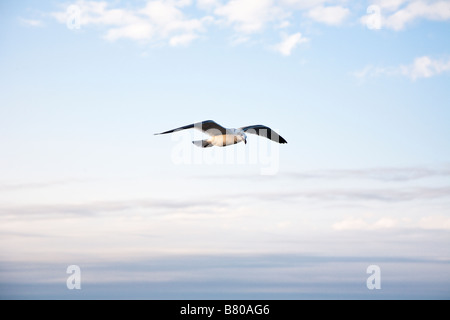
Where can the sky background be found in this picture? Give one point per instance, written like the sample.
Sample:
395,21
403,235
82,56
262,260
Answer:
359,89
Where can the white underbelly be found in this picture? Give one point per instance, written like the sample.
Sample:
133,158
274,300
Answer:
224,140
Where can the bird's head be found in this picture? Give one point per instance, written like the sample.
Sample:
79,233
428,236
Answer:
244,137
239,136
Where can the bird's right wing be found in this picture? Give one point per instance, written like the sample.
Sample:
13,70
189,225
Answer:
209,126
264,131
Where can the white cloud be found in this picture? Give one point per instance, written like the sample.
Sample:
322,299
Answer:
385,174
169,20
284,24
289,42
239,39
165,16
425,67
159,20
181,3
371,71
385,223
207,4
135,31
249,16
173,22
397,14
361,224
303,4
422,67
351,224
332,15
182,40
389,4
438,11
434,222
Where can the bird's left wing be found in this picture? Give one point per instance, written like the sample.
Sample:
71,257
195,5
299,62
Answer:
207,126
264,131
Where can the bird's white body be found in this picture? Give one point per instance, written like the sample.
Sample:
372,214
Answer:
227,139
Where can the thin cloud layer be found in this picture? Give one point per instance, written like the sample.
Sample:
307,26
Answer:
289,43
216,202
249,16
383,174
157,21
382,195
425,67
332,15
432,222
31,22
422,68
168,21
179,23
398,14
90,209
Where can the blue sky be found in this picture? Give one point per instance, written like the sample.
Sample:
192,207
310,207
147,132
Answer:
361,98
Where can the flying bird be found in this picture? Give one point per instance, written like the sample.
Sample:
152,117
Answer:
222,137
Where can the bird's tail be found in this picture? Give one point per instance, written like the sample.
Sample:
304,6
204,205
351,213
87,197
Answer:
202,143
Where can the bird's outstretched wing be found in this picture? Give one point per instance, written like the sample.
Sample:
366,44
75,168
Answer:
264,131
209,126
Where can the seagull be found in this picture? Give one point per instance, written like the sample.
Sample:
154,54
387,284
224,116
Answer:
221,137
